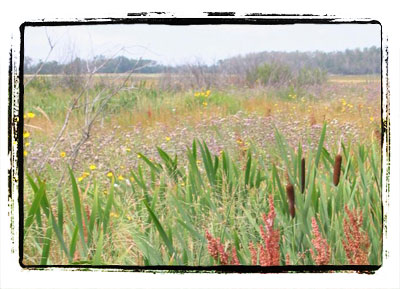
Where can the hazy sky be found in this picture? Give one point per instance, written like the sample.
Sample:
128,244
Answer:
186,44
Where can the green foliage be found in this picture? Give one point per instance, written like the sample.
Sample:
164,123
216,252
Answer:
281,75
170,203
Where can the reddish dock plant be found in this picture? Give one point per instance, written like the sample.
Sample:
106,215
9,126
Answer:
217,251
320,244
357,243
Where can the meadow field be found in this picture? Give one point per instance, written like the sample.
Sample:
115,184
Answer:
229,175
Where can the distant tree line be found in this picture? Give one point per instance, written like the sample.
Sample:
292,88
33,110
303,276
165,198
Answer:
356,61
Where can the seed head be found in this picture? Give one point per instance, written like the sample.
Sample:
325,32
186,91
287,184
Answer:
336,170
290,195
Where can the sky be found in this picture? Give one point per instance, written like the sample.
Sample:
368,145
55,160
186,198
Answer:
174,45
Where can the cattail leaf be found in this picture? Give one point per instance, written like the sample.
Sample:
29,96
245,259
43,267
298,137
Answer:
78,209
99,250
160,229
320,145
74,239
46,245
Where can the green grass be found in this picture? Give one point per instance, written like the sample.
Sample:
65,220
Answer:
159,215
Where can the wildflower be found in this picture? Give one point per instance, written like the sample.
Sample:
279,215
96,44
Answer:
121,178
129,218
208,93
25,153
92,167
85,174
132,179
105,193
110,174
197,94
114,215
62,154
167,138
27,144
30,115
205,103
139,156
371,118
321,246
80,179
202,94
182,184
26,134
357,243
128,150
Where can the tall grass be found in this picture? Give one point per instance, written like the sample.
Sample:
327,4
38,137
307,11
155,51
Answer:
162,213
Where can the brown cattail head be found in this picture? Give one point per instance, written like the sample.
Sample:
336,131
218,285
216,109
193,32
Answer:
336,169
290,195
303,174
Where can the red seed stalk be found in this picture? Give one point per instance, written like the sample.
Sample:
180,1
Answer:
357,243
320,244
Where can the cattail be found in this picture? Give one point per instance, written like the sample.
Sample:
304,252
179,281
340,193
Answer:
336,170
303,175
290,194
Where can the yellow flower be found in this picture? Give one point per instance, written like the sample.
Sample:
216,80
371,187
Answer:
92,167
371,118
208,92
25,153
128,149
85,174
110,174
205,104
114,215
62,154
129,218
182,184
197,94
121,178
30,115
139,156
122,167
167,138
80,179
202,94
26,134
105,192
27,144
132,179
